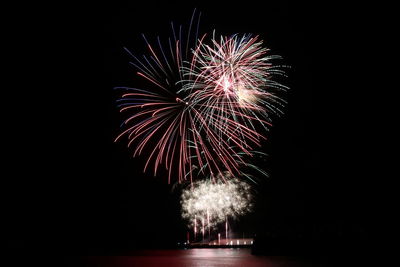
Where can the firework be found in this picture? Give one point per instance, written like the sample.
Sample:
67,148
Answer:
201,105
231,82
213,201
157,117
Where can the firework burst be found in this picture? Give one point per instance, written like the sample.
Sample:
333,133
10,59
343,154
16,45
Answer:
211,202
203,101
159,114
232,83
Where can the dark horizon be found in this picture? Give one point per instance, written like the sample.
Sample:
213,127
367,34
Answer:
74,189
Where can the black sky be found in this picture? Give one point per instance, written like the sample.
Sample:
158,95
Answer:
70,186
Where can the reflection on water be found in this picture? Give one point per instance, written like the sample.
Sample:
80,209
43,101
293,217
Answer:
202,257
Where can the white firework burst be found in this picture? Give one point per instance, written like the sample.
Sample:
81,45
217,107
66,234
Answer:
211,202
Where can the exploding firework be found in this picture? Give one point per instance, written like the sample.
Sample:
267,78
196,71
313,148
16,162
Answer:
231,82
210,203
199,109
157,117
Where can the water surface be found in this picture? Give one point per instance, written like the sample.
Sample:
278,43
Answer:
202,257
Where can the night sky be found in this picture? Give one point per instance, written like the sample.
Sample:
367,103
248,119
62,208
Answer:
71,187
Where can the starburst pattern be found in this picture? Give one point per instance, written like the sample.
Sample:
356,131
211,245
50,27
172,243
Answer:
212,202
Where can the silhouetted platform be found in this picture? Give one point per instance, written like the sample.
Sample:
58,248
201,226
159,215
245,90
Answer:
223,243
